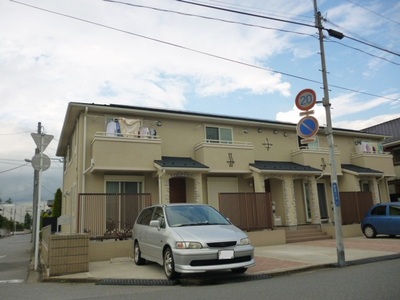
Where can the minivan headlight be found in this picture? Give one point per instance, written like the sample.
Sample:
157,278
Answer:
244,241
188,245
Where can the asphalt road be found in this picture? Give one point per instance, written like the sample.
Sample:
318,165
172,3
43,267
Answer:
15,256
378,280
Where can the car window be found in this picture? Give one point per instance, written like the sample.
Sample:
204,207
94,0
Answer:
379,211
159,215
394,210
190,215
145,216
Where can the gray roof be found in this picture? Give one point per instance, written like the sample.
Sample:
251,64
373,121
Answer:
360,170
390,128
283,166
179,162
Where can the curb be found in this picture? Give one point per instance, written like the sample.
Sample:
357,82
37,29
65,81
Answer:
213,280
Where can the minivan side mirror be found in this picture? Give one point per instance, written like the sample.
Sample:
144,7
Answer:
155,223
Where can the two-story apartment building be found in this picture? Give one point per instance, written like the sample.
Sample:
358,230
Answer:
175,156
391,145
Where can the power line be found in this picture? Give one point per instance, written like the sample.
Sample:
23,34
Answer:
374,12
242,23
252,9
197,51
13,133
244,13
14,168
208,18
282,20
370,54
373,46
360,39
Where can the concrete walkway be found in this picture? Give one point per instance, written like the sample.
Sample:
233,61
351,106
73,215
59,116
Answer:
270,260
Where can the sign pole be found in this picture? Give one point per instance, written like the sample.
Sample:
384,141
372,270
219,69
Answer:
40,162
39,195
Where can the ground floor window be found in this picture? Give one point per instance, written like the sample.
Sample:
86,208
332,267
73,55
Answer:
118,210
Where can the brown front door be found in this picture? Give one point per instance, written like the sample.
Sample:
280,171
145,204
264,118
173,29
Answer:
177,190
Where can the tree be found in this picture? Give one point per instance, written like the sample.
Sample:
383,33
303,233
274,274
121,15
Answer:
27,221
57,204
9,201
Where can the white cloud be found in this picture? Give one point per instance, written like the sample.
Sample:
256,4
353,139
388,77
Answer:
48,60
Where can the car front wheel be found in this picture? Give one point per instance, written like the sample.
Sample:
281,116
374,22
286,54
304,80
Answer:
137,255
369,231
169,264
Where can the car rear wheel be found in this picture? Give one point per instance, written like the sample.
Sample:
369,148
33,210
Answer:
369,231
169,264
137,255
239,270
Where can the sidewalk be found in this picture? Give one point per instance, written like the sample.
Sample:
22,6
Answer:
270,261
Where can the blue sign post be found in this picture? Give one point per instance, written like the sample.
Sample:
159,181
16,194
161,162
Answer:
336,196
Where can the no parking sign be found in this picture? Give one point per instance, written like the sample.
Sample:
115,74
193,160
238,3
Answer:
307,127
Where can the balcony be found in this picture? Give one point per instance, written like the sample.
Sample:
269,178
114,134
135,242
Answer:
124,153
382,162
222,156
317,158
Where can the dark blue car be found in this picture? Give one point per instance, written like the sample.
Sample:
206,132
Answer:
382,218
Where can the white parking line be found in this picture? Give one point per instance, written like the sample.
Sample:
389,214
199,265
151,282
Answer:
12,281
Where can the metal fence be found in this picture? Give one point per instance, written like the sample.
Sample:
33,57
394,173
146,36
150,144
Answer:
109,216
248,211
354,206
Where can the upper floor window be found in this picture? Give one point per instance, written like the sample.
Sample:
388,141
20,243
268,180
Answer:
219,134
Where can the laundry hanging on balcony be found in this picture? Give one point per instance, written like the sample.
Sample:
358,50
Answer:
113,128
130,127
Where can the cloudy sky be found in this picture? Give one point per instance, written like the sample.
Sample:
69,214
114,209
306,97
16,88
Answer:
178,55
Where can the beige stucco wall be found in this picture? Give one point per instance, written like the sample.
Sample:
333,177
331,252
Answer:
179,136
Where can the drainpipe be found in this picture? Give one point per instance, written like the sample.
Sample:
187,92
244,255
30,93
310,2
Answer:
83,188
160,186
379,179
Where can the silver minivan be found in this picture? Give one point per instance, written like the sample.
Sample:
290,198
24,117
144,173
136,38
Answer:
190,238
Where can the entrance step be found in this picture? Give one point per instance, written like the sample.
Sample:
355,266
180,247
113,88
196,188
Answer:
305,233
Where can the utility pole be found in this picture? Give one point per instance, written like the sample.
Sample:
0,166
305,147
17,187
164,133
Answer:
329,134
40,162
35,193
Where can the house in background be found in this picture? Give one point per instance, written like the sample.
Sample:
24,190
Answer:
392,145
118,159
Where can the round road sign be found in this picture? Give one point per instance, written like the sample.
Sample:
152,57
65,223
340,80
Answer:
45,162
306,99
307,127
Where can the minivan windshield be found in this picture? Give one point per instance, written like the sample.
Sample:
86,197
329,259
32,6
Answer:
194,215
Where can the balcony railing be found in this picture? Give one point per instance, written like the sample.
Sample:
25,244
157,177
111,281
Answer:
317,158
380,161
223,156
124,152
